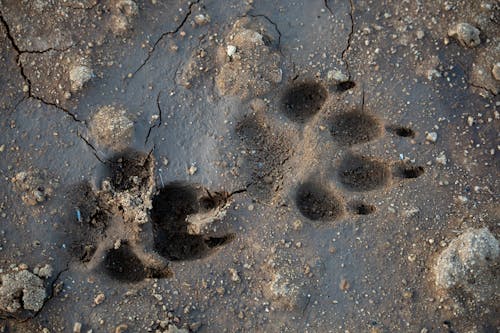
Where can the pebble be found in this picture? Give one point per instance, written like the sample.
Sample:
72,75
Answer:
251,207
231,50
466,34
297,225
431,137
121,328
420,34
201,19
99,299
77,327
470,121
495,71
441,159
235,277
192,170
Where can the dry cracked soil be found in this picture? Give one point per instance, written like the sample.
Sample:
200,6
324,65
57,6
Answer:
249,166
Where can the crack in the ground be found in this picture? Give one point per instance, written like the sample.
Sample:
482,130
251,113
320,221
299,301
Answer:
275,27
18,51
94,150
52,287
483,88
469,81
158,122
163,35
349,39
327,6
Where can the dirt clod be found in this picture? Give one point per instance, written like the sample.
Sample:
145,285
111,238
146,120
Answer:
111,128
21,294
466,34
248,66
467,270
78,76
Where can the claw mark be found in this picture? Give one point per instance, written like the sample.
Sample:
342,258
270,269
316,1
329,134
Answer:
349,39
163,35
23,73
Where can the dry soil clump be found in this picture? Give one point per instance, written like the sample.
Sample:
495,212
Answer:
249,66
467,270
21,294
111,128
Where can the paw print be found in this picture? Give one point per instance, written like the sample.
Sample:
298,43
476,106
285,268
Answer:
130,230
289,163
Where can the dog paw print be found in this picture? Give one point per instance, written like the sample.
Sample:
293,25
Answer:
282,156
131,230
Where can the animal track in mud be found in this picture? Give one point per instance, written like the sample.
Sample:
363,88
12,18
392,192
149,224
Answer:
303,100
355,127
402,131
110,231
410,171
179,211
123,264
265,156
360,173
318,203
361,208
268,151
128,169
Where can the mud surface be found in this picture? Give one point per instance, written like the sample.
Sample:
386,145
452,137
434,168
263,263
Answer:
249,166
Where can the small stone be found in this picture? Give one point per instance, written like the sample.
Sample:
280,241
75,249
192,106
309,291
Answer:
251,207
337,76
26,88
201,19
121,328
462,199
2,148
431,137
441,159
466,34
495,71
231,50
420,34
77,327
99,299
235,277
412,257
192,170
297,225
344,285
407,294
470,121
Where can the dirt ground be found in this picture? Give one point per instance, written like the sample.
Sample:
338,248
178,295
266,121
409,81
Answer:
249,166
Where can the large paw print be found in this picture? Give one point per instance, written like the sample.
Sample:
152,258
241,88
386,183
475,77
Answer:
130,230
278,162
